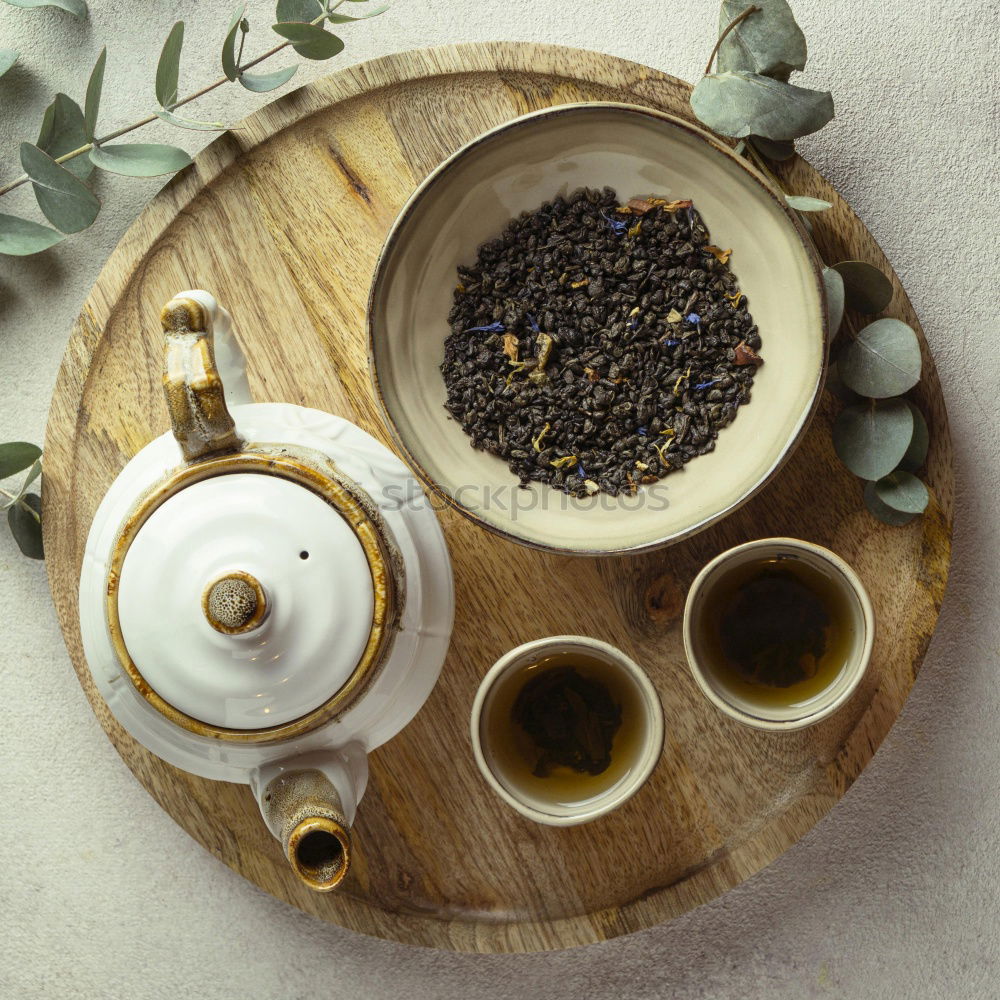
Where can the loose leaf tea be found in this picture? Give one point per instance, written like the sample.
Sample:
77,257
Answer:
571,719
598,346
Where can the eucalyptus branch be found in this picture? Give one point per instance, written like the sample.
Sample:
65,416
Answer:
81,150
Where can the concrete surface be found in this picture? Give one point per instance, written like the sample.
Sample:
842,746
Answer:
893,895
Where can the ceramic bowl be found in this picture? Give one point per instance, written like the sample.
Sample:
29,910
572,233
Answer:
514,168
645,751
736,704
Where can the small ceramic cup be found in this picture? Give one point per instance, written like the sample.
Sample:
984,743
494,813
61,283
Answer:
643,746
743,707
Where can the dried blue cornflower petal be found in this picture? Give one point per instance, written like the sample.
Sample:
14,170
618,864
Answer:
693,318
705,385
496,327
581,471
670,343
617,225
642,431
532,322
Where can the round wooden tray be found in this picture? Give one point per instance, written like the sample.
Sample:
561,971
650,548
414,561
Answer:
283,220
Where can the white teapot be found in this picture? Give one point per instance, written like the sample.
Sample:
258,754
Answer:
265,596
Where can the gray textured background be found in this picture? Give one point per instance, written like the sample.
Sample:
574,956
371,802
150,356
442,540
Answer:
892,895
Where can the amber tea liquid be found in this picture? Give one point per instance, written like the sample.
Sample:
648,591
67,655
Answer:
778,631
515,756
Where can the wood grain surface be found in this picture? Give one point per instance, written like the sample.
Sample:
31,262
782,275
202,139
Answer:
283,221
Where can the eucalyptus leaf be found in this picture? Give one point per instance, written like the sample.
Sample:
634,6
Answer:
191,123
229,66
870,438
298,10
346,18
310,40
780,149
92,103
21,237
903,492
883,512
63,131
262,82
7,59
26,525
884,359
836,387
768,41
16,456
169,67
140,159
739,104
834,285
63,198
33,473
916,454
75,7
866,288
803,204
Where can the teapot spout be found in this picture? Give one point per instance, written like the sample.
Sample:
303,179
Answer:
308,804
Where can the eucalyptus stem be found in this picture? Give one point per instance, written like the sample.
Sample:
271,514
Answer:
15,500
752,9
23,179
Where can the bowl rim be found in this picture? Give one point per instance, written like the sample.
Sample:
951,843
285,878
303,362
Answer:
381,271
863,659
648,758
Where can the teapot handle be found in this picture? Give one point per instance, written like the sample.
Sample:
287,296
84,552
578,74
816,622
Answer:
196,399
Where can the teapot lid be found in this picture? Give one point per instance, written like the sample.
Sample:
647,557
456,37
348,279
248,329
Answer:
246,601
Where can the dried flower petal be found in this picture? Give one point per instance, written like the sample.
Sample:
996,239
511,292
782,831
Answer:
746,355
640,206
564,463
510,346
537,440
674,316
720,255
580,284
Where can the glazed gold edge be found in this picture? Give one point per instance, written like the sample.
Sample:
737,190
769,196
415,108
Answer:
558,110
379,552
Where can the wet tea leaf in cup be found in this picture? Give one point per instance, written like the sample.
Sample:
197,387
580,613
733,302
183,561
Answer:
870,438
883,361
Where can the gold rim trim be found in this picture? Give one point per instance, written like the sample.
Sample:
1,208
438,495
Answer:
366,531
327,873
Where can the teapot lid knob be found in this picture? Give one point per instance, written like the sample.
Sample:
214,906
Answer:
234,603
